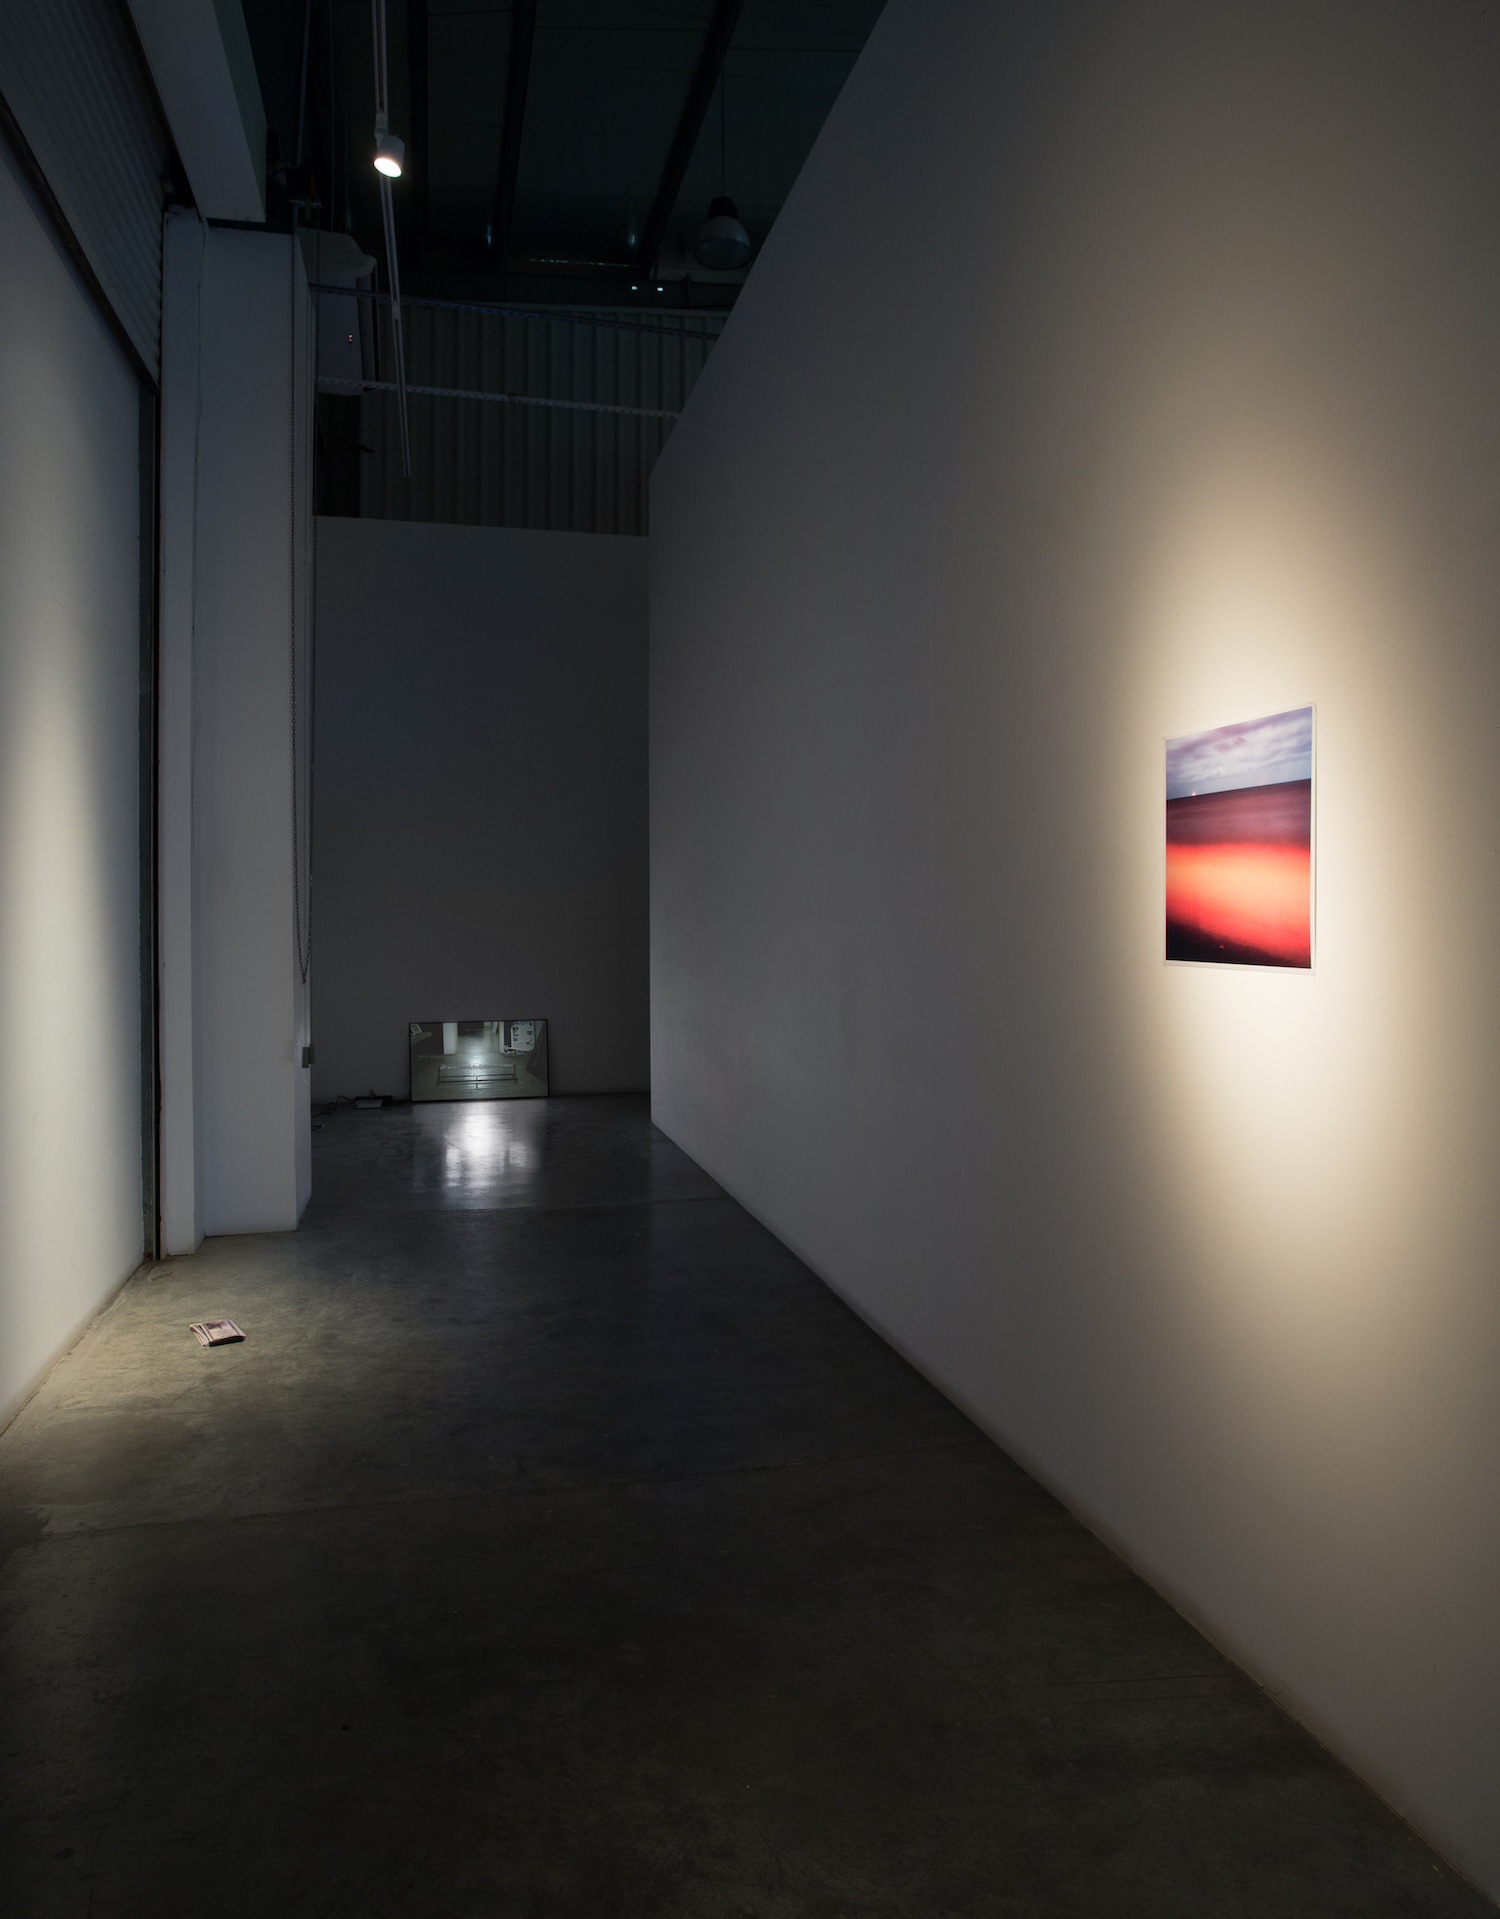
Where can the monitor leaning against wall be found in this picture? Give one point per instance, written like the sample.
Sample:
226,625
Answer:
478,1059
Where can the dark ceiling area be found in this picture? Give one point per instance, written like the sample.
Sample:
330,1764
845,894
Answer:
557,150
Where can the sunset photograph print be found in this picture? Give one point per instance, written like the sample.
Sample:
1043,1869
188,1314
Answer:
1239,843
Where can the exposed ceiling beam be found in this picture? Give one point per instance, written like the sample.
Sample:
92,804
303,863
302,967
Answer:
517,80
204,69
694,110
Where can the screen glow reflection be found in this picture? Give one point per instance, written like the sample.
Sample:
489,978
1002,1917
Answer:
471,1153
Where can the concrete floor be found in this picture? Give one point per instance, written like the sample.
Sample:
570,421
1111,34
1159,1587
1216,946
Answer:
556,1547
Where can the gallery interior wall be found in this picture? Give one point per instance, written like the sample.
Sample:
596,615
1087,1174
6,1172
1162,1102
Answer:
179,969
70,1075
251,487
481,796
1182,410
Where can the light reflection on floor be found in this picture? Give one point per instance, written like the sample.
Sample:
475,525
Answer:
468,1150
478,1156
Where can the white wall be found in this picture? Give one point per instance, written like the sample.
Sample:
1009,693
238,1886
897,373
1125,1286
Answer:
252,1008
481,795
178,943
70,1088
1180,409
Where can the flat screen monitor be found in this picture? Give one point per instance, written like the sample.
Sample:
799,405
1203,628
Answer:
478,1059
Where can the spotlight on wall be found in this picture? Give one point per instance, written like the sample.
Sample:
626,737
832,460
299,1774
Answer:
722,243
389,151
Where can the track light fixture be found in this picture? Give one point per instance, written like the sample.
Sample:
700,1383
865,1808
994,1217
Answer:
389,153
389,150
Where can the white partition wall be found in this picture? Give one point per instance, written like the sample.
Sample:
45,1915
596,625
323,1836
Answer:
70,1068
1110,374
236,482
178,947
481,795
252,454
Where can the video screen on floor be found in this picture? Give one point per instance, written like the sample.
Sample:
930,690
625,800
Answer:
478,1059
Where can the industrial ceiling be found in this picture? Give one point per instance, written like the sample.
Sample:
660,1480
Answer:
558,150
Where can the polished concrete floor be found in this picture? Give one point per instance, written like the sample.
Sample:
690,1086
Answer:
556,1547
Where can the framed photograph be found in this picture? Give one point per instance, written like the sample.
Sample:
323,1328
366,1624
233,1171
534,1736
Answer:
478,1059
1240,843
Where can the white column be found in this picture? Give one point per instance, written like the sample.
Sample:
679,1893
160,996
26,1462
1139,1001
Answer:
177,850
254,498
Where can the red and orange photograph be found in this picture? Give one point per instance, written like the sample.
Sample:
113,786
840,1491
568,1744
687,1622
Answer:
1239,843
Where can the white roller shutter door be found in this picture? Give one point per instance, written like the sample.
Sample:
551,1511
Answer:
76,85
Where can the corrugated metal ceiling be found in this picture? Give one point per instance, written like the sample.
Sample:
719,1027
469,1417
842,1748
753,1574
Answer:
738,90
606,87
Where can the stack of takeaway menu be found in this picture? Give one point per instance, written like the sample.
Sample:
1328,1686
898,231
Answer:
215,1332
